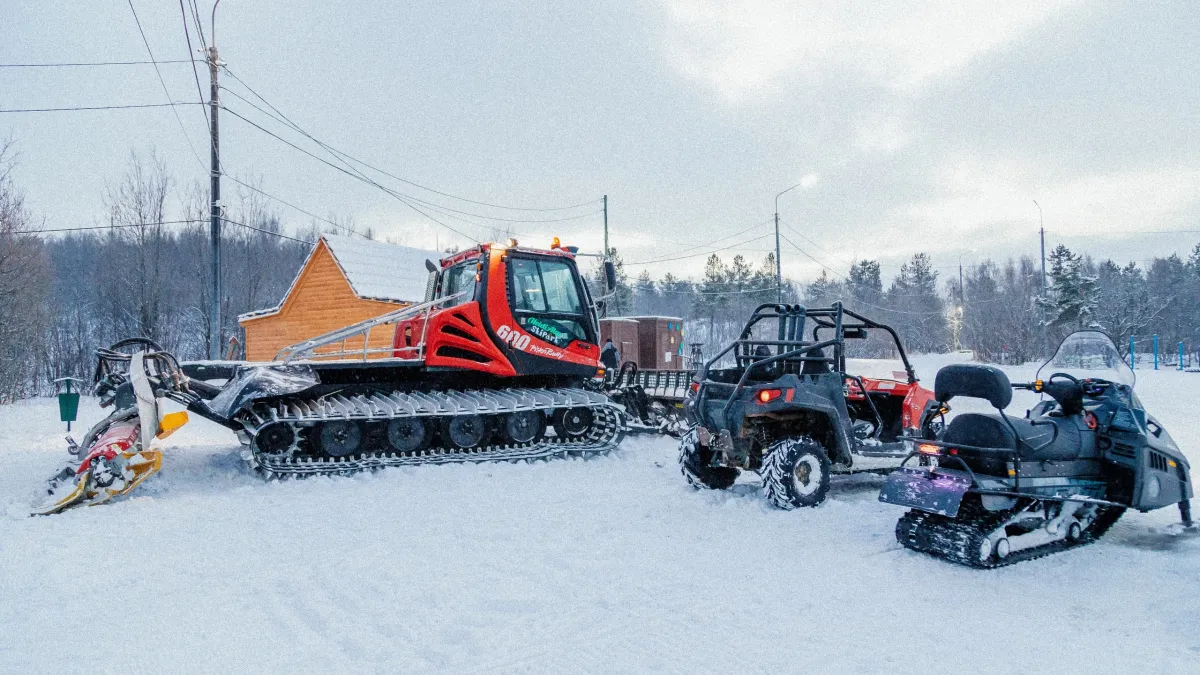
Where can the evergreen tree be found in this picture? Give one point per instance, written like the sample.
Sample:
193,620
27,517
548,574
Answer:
1072,296
711,296
865,285
622,301
823,292
918,310
646,299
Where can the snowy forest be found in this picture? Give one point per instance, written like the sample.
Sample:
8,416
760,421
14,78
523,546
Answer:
141,272
1000,311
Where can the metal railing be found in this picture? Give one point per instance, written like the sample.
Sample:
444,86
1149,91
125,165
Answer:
670,385
345,346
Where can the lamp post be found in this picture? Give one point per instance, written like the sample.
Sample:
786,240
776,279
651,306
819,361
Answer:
1042,235
778,262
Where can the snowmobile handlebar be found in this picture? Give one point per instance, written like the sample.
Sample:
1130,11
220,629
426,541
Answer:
1066,389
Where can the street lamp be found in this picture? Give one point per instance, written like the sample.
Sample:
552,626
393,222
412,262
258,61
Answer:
778,262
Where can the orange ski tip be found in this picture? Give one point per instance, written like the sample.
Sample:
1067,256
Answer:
170,423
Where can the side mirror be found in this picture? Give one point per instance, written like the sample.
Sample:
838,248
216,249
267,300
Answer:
430,266
610,275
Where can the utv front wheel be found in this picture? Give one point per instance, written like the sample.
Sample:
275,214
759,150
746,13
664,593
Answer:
795,473
694,464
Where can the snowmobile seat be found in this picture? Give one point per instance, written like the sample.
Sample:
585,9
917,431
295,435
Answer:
973,380
1055,439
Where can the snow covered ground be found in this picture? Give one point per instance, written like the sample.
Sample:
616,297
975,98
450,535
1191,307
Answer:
611,565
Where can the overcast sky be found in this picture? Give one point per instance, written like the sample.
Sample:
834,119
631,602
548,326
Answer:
929,129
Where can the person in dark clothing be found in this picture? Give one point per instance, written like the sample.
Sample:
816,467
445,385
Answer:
610,357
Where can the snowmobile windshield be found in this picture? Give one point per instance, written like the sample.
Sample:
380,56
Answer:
1089,354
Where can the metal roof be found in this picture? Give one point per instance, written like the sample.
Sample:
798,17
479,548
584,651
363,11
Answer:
375,270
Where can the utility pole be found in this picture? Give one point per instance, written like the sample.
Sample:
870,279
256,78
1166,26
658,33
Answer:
603,276
962,290
214,104
778,262
1042,234
605,227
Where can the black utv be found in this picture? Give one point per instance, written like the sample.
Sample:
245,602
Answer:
785,406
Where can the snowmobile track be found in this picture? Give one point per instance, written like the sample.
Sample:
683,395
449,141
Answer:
957,540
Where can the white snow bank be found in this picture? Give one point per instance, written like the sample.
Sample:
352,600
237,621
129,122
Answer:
609,565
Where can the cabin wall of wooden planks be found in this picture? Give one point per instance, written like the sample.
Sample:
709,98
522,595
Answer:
320,301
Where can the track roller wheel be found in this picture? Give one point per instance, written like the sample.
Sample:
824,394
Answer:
795,473
341,437
695,465
408,434
527,426
466,431
572,422
276,438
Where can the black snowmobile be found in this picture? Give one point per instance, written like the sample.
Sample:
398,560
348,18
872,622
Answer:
995,490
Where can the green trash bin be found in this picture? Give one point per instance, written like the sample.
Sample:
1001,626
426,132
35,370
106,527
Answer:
68,401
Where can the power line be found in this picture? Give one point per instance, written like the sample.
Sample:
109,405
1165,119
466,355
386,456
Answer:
163,82
98,107
704,245
116,227
196,20
807,255
347,172
702,253
188,35
797,232
92,63
287,203
403,180
264,231
441,208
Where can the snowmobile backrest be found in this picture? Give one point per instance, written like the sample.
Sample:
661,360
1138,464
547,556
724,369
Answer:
973,380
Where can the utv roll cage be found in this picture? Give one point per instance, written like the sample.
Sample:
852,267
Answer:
790,353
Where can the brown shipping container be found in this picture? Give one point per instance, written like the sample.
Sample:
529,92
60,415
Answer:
660,341
624,334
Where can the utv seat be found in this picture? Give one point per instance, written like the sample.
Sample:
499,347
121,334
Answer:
816,367
768,372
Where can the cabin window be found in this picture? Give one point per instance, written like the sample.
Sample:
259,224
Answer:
545,298
457,279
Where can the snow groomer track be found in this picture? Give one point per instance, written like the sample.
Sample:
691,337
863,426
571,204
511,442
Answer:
294,419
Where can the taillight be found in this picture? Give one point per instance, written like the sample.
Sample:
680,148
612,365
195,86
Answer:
768,395
695,387
928,449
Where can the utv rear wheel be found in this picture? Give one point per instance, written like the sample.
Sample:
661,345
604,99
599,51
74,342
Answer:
694,464
795,473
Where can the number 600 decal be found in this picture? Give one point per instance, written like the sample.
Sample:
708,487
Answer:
512,337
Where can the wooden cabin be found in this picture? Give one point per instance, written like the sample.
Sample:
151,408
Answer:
343,281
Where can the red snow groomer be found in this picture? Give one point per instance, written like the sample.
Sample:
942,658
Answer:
501,362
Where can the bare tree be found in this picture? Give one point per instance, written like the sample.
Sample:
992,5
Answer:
24,281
